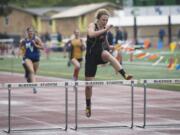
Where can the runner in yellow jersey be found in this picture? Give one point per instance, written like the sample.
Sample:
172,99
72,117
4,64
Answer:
76,47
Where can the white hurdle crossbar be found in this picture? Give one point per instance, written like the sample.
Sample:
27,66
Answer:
11,86
145,82
8,40
104,83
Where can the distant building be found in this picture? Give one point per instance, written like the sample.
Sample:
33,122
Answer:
46,24
18,20
79,17
52,19
150,2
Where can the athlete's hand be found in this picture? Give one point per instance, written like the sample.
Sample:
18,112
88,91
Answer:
111,47
35,42
108,27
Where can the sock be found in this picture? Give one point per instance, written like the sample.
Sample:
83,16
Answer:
88,102
76,73
123,73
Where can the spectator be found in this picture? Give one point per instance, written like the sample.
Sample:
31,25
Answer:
125,34
162,33
110,37
47,37
178,39
119,35
59,37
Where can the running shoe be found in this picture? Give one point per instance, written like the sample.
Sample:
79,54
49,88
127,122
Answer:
128,77
88,112
34,90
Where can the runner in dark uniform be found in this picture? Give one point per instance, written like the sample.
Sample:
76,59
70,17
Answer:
97,52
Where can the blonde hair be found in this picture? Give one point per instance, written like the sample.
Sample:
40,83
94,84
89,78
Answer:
101,12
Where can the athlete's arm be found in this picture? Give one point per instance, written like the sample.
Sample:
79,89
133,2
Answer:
66,47
82,45
92,33
111,47
38,43
21,45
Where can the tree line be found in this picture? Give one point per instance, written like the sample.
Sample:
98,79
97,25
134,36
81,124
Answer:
52,3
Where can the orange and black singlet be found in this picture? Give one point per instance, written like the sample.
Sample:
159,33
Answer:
96,44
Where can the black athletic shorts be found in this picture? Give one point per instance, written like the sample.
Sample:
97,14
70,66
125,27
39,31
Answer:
79,60
92,60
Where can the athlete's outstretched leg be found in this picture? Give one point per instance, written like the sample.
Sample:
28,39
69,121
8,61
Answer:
106,56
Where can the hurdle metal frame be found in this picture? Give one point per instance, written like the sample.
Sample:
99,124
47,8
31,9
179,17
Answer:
99,83
9,86
155,81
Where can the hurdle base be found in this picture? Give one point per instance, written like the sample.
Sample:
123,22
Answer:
158,125
101,127
34,129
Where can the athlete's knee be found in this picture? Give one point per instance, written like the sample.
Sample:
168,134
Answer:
31,71
88,88
77,67
105,55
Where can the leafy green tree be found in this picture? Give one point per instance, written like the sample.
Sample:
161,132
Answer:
4,9
48,3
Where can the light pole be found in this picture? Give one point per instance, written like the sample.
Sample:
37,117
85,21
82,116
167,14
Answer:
134,13
135,23
169,28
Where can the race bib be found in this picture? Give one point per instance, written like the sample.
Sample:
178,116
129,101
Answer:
28,45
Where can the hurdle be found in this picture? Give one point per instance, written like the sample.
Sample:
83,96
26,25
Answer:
155,81
103,83
11,86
